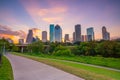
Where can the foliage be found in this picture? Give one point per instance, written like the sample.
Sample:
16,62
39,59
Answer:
35,47
52,47
108,49
4,43
92,48
62,51
85,48
14,48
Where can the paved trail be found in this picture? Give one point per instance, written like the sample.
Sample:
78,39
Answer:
27,69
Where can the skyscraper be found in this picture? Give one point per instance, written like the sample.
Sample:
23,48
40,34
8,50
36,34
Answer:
58,34
83,38
78,32
29,37
36,33
90,34
74,37
66,38
33,35
52,33
44,36
105,34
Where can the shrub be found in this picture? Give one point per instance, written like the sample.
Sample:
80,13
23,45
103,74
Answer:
62,51
65,52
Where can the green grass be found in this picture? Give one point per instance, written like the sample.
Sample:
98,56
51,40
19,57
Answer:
6,72
100,61
86,72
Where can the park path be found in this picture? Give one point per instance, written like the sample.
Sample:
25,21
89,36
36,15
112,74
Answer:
27,69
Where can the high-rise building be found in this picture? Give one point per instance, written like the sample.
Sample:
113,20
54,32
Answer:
74,37
44,36
58,34
90,34
52,33
33,35
83,38
78,32
36,33
29,37
105,34
66,38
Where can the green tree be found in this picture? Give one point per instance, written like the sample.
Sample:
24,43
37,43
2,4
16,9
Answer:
62,51
36,47
108,49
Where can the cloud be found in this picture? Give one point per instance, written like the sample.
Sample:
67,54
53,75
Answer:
52,11
52,19
8,31
42,13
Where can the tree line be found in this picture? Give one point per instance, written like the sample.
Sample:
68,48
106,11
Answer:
93,48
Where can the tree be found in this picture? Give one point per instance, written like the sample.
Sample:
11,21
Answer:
108,49
62,51
36,47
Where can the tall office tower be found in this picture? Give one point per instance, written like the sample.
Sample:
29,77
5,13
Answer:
36,33
78,32
52,33
105,34
44,36
83,38
90,34
58,34
66,38
29,37
33,35
74,37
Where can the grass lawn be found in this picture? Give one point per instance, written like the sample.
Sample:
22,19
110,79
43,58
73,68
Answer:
100,61
84,71
6,72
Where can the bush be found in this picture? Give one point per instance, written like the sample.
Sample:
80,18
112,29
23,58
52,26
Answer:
62,51
36,47
66,52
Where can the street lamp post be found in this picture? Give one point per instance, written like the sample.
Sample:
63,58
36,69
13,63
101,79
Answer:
4,48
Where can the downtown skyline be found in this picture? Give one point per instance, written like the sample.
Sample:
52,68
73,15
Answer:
22,15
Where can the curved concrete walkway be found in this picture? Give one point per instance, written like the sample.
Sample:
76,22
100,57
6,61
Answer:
27,69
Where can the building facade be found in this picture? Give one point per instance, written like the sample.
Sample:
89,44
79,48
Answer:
29,37
33,35
105,34
78,32
83,38
44,36
74,37
90,34
58,34
52,33
66,38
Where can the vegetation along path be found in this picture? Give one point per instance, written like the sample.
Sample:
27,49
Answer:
27,69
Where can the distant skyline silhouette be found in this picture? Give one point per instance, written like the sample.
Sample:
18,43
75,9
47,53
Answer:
17,15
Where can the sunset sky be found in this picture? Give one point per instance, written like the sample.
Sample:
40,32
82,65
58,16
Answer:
17,16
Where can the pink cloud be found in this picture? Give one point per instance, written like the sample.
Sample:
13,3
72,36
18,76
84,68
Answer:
43,14
52,19
8,31
54,10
